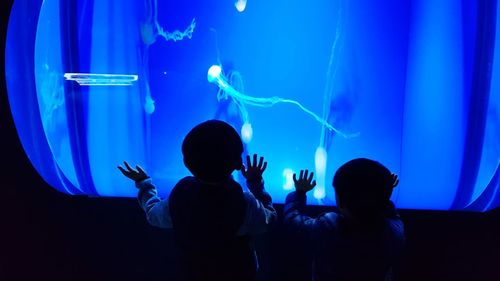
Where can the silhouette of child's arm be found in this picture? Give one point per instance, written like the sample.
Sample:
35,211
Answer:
295,204
260,213
156,209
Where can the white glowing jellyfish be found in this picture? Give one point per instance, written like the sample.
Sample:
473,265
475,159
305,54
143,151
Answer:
236,82
240,5
321,157
214,72
228,89
288,179
246,132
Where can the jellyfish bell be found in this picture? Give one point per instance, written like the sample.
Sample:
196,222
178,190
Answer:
240,5
214,73
246,132
149,105
148,34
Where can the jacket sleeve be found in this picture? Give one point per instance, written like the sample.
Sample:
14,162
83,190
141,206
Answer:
260,213
156,209
295,220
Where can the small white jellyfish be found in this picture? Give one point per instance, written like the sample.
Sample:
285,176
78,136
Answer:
320,158
246,132
214,73
287,179
240,5
319,193
149,105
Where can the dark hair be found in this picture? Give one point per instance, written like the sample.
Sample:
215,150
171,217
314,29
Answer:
363,187
212,150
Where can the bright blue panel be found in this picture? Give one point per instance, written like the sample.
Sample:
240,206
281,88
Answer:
308,85
434,105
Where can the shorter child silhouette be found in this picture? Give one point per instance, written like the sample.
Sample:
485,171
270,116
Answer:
365,238
212,218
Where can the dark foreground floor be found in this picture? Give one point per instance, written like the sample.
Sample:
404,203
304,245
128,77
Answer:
51,236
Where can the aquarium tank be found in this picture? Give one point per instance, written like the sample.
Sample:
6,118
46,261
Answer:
311,85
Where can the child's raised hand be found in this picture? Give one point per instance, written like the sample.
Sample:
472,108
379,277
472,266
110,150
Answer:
253,171
135,175
304,183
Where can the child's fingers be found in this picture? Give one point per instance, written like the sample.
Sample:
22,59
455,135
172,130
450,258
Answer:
313,184
261,160
127,166
254,159
140,169
294,177
264,166
310,177
301,175
249,164
122,170
305,174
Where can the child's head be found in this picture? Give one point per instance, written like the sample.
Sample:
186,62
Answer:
212,151
363,188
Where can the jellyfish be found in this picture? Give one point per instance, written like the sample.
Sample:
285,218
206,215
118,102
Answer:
150,29
333,110
330,106
216,77
236,113
240,5
227,103
226,90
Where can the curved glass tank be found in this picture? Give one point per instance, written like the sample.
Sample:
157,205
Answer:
308,85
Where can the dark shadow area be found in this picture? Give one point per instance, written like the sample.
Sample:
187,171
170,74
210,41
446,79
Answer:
51,236
46,235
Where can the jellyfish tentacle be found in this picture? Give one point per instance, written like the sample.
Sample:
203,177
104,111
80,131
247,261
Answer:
215,76
176,35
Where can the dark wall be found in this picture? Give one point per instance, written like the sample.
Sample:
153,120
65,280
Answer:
46,235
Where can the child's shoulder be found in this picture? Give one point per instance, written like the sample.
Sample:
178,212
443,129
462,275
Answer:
186,182
328,220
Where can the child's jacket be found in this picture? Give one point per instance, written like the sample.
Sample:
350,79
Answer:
345,250
212,225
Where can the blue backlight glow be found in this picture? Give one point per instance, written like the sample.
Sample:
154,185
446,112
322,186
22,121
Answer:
311,85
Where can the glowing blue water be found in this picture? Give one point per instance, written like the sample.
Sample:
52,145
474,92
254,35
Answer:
307,86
